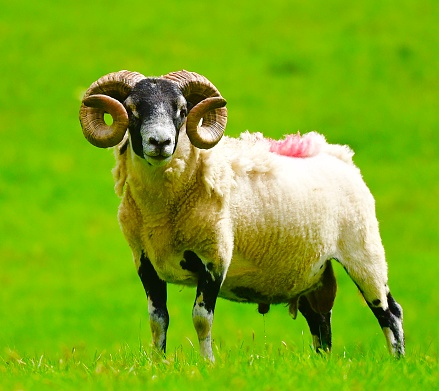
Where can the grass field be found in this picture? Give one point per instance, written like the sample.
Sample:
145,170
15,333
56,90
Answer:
72,311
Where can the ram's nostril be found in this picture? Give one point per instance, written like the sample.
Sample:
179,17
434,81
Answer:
153,141
159,143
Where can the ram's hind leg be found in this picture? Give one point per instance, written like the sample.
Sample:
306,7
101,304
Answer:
371,280
389,317
316,307
319,325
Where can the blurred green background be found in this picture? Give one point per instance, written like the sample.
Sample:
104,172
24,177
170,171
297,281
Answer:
363,73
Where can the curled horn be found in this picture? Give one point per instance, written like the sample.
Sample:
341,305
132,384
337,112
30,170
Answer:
208,108
106,96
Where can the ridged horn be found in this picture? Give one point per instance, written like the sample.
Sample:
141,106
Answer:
106,95
208,108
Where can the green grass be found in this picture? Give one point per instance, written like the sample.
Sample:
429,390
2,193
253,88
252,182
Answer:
72,311
275,368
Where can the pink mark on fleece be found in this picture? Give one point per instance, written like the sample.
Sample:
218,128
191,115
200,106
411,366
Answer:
295,145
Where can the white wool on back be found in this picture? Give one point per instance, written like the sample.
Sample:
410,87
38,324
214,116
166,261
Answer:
308,145
253,153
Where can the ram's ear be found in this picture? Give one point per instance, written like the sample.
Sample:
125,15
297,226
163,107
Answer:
120,174
123,146
129,104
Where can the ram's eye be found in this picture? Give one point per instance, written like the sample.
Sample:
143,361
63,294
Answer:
183,112
132,109
135,113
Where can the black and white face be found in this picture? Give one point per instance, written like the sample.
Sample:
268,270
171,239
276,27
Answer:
156,110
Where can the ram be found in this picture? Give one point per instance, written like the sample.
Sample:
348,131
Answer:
248,219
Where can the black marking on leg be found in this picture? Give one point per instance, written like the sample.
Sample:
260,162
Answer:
394,307
191,262
208,288
155,289
383,316
319,325
209,284
391,319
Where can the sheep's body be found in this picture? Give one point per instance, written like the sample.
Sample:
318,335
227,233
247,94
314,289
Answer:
269,217
237,217
269,222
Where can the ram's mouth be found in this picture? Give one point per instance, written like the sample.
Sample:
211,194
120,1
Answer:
157,160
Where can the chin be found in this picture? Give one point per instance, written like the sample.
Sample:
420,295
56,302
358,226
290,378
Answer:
158,161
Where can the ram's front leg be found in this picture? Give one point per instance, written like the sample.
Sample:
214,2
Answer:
155,289
209,284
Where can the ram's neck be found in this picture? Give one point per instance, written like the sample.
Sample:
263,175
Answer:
159,183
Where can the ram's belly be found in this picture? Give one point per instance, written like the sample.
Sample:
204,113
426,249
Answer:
272,283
